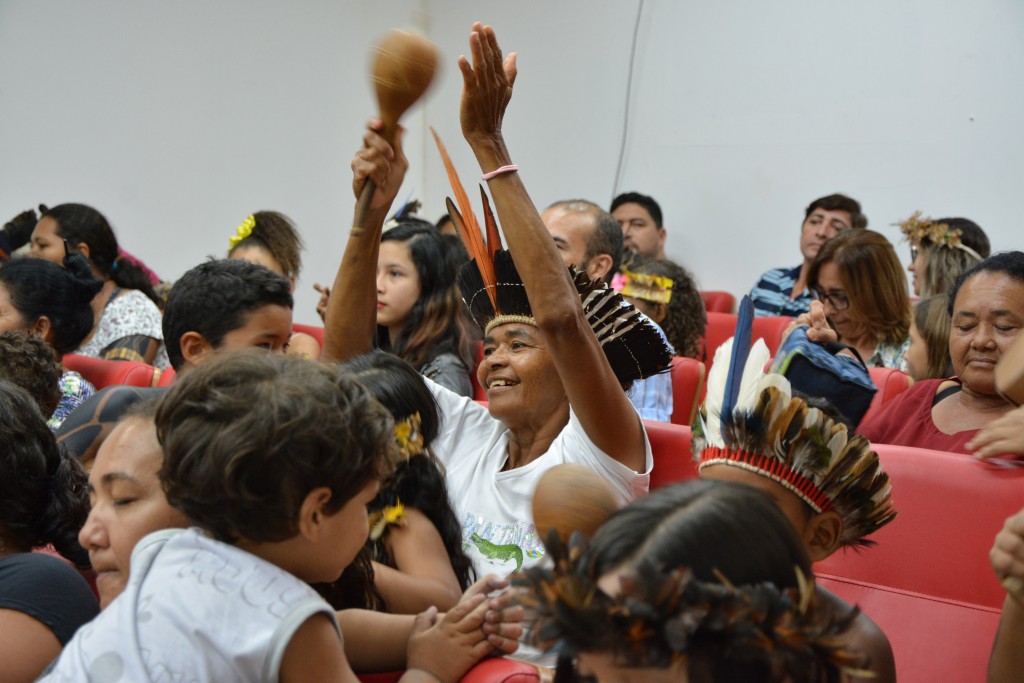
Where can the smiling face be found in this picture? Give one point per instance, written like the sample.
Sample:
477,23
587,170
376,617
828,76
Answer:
988,314
819,227
127,503
46,243
519,375
398,285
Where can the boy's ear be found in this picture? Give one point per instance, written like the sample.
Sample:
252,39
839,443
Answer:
194,348
823,534
312,515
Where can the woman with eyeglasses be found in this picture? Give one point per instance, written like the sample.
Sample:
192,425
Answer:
860,282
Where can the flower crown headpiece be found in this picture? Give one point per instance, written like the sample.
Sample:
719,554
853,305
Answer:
653,288
495,294
751,420
916,229
662,614
244,232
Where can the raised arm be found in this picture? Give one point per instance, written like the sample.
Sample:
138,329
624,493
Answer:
351,317
592,388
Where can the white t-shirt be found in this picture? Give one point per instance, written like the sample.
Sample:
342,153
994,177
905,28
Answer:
127,314
195,610
494,507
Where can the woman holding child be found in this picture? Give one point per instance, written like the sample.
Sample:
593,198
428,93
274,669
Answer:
555,392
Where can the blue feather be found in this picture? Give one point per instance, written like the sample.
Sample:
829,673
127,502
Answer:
740,351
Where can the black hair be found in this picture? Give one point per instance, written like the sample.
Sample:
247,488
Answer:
605,238
81,224
685,317
28,361
437,323
39,288
217,297
18,230
643,200
419,481
839,202
1009,263
43,489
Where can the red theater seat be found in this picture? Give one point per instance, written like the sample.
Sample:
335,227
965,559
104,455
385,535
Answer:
105,373
890,383
166,378
502,669
687,388
722,326
312,330
670,445
771,328
928,583
718,301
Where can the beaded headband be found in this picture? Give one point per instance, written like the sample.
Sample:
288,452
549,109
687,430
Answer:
662,615
653,288
916,229
751,420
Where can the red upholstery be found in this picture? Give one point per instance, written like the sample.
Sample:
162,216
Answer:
687,388
105,373
312,330
891,383
673,460
928,583
770,328
718,301
166,378
478,391
722,326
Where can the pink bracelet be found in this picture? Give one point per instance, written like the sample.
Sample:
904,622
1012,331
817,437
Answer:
511,168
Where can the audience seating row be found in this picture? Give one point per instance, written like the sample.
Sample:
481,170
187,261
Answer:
927,583
718,301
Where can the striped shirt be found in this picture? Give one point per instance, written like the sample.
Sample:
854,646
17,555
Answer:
771,294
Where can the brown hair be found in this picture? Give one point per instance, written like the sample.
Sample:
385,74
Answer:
931,318
247,436
277,234
874,281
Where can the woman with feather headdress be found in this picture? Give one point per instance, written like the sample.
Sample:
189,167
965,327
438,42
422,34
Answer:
827,481
559,349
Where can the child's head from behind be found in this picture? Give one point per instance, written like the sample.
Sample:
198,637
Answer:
264,448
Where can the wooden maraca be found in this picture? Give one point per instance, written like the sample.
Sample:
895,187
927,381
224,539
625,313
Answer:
571,498
403,68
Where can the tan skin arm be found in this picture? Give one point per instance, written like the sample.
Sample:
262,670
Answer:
351,319
1007,557
424,576
27,646
590,385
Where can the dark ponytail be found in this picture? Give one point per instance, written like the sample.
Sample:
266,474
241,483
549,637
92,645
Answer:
81,224
43,490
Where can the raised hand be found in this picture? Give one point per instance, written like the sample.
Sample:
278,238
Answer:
486,85
381,162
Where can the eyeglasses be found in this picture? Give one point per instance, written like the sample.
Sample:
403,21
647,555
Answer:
913,253
837,299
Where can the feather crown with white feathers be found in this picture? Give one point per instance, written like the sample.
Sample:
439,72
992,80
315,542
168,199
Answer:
764,429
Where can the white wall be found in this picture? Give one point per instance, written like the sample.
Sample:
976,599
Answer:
178,119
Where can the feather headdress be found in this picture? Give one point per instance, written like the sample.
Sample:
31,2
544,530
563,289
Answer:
664,614
495,294
768,431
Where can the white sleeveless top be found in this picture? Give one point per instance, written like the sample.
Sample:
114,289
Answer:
195,610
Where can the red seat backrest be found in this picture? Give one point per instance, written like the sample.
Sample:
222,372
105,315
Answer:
501,669
687,388
950,509
722,326
718,301
313,331
104,373
670,445
166,378
770,328
890,383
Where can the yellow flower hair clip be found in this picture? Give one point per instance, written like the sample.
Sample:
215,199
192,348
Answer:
243,232
391,515
915,229
654,288
408,436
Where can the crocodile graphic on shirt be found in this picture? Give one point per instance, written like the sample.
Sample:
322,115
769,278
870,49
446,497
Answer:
502,553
